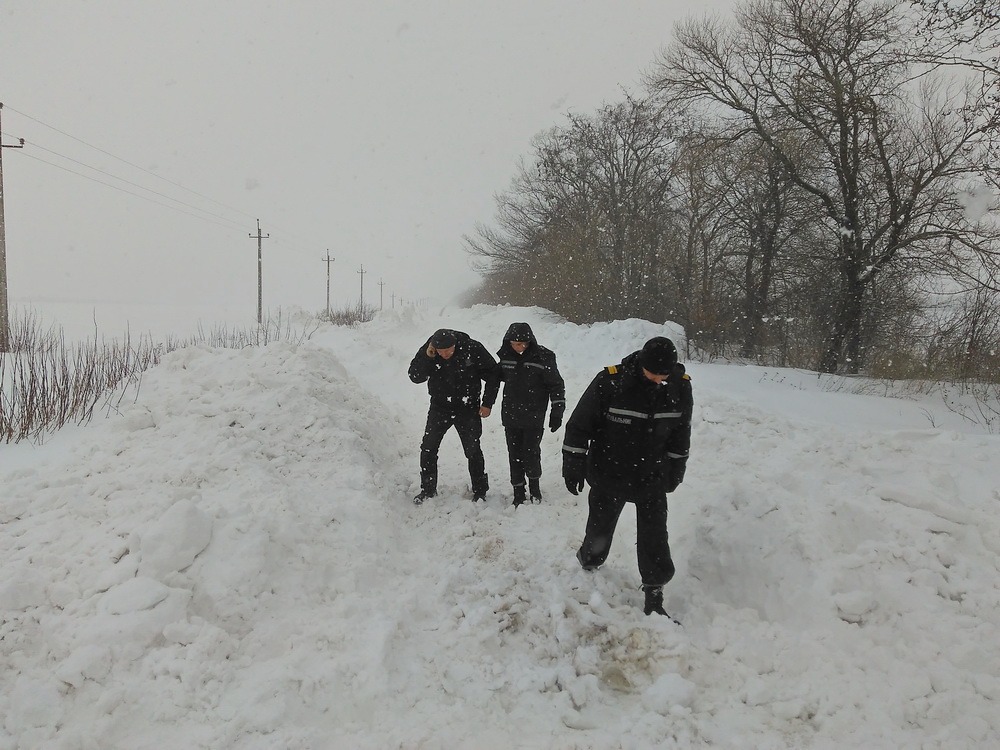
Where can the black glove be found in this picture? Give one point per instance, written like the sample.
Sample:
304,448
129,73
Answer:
675,472
574,471
555,420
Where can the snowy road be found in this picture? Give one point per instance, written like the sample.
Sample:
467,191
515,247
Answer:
234,563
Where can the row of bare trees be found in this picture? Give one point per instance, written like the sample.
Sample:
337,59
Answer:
808,183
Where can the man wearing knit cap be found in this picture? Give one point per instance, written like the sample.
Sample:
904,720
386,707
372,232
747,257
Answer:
531,380
628,438
455,366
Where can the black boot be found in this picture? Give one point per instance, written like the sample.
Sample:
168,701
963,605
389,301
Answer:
519,496
533,491
583,564
424,495
480,486
654,600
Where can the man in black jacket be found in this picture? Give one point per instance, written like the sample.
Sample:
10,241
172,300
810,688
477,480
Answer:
531,380
629,437
454,366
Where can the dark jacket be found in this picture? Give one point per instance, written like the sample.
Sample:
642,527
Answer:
631,432
455,383
530,381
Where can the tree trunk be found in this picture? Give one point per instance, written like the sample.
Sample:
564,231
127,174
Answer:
844,342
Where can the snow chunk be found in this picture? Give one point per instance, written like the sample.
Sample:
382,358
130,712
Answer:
854,605
171,543
135,595
668,691
138,418
34,704
88,662
23,592
133,614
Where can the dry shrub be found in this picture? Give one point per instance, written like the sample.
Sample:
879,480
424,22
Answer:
46,383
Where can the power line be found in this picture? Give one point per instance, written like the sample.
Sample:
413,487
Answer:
301,246
123,190
126,161
127,182
230,223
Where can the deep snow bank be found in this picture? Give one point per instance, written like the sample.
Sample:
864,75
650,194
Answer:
152,575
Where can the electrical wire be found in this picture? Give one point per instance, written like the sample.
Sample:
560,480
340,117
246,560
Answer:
129,182
141,187
125,161
127,192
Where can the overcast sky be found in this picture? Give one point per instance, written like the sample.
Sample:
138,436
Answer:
378,130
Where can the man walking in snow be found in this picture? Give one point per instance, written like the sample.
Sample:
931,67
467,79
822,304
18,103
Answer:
628,438
454,366
531,380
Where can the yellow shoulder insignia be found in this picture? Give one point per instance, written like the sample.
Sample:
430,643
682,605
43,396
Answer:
686,376
612,369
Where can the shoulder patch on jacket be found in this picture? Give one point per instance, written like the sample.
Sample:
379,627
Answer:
686,376
612,369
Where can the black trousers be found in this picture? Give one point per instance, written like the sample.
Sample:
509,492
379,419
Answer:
524,449
652,546
469,426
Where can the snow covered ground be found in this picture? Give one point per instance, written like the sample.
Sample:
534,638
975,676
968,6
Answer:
234,562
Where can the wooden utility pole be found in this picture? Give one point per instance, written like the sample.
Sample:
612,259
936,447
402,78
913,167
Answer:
260,274
362,272
380,285
4,314
329,260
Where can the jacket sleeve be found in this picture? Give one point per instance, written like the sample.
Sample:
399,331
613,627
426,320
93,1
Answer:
585,420
679,442
421,366
489,373
556,387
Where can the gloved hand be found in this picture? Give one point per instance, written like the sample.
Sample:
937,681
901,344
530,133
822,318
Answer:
675,472
555,420
574,485
574,471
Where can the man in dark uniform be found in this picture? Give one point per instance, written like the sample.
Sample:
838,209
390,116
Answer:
454,366
531,380
629,437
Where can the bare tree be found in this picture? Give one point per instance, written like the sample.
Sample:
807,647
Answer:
699,241
894,158
773,221
965,29
585,221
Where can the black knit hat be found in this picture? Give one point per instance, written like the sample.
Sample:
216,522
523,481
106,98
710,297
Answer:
658,355
443,338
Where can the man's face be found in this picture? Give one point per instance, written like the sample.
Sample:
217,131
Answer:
447,353
519,346
654,377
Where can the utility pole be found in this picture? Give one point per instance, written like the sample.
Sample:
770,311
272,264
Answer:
362,272
393,298
260,274
4,315
329,260
380,285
